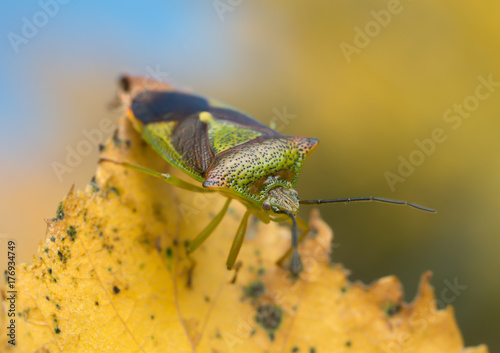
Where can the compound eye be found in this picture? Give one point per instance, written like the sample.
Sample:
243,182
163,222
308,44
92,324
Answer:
266,205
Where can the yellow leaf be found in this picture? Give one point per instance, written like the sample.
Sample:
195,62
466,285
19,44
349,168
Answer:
112,276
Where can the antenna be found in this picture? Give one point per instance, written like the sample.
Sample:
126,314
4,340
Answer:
368,198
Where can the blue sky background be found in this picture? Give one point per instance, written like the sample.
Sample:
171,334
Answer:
84,37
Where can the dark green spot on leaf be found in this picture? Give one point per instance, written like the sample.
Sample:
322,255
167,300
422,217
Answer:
269,317
254,290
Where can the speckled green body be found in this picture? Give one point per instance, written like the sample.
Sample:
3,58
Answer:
222,148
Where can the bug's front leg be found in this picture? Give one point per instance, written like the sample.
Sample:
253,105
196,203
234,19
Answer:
305,229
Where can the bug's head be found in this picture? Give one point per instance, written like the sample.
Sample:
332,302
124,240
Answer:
281,199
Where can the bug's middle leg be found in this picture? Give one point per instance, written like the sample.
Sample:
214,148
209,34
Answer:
237,242
200,238
164,176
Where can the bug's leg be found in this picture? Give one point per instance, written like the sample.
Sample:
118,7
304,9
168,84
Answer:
305,229
164,176
189,281
237,241
200,238
236,268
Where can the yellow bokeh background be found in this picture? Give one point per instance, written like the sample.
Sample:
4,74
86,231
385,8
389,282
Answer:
367,108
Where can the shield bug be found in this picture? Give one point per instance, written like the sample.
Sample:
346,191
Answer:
226,151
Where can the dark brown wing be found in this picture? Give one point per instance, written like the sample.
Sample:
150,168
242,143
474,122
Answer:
190,138
157,106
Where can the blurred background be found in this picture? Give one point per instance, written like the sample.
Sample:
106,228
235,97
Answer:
366,78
